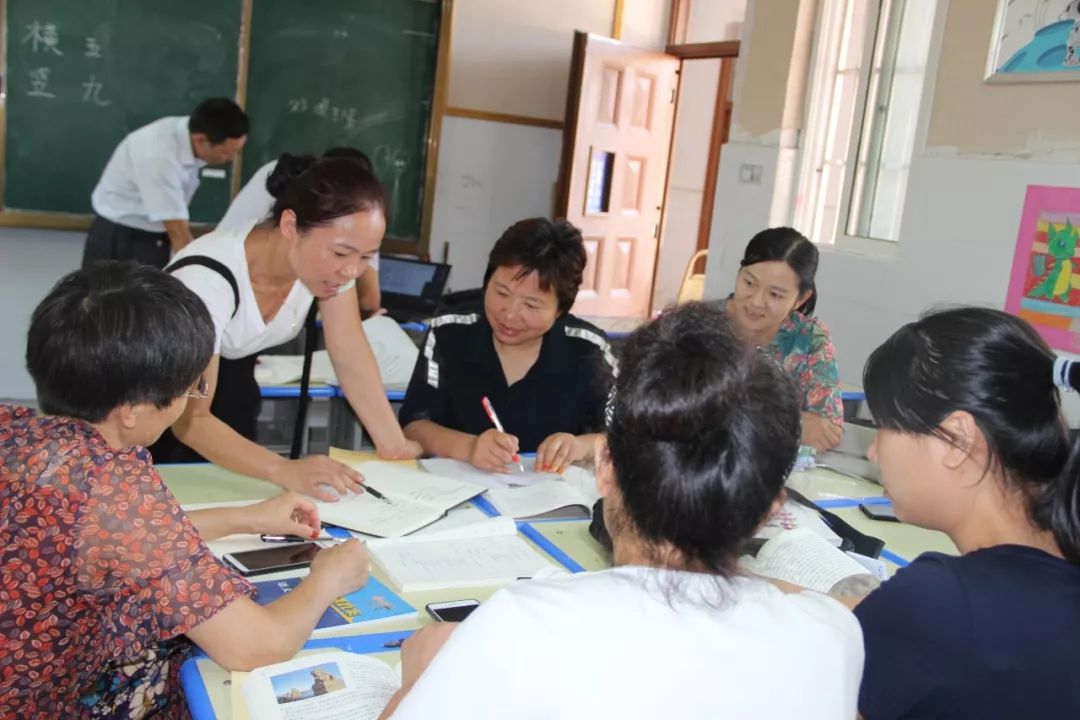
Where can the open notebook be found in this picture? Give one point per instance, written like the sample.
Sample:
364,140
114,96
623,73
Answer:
476,555
530,495
416,499
804,558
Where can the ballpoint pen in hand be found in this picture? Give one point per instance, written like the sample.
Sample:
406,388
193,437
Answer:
376,494
498,426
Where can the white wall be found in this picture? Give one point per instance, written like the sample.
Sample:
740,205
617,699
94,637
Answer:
490,175
31,261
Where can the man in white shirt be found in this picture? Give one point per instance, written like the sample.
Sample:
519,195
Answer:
254,202
141,201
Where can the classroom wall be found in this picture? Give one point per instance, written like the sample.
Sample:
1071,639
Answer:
965,192
31,261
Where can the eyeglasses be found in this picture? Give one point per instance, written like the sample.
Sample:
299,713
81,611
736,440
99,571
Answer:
201,390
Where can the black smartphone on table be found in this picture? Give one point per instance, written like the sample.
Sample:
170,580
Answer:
272,559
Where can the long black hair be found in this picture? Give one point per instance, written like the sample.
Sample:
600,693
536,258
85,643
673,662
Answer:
702,431
792,247
995,367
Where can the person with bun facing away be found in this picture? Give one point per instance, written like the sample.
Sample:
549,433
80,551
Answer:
972,442
258,283
105,581
702,432
773,308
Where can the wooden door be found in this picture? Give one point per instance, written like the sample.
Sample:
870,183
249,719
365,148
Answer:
616,143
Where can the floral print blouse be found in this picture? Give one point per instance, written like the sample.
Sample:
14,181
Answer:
101,574
803,348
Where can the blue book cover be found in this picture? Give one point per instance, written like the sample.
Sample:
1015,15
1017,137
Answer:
370,604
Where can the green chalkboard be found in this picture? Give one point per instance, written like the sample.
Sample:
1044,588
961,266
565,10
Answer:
346,72
81,74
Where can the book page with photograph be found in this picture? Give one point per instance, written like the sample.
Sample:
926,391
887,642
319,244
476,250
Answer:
322,686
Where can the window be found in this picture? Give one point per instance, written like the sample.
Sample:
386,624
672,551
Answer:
864,91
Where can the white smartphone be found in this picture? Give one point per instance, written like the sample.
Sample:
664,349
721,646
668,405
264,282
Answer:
452,611
272,559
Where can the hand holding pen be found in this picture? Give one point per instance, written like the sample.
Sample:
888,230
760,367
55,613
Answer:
494,446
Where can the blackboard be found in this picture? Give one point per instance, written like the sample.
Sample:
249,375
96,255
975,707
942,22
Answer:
82,74
347,72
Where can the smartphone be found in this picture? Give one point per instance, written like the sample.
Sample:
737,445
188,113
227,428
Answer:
452,611
884,511
272,559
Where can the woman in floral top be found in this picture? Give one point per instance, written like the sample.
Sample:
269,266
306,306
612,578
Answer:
102,575
773,306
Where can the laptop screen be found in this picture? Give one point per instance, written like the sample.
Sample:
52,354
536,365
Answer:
411,286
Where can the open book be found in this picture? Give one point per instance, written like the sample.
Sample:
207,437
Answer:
372,604
395,354
415,499
804,558
530,495
792,516
476,555
322,686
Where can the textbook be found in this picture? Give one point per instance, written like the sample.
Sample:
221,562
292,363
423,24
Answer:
804,558
331,685
477,555
413,499
374,603
792,516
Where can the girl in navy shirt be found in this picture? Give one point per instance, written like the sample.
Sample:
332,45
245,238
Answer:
972,442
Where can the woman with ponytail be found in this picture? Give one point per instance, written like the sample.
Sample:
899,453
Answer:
259,283
971,442
773,307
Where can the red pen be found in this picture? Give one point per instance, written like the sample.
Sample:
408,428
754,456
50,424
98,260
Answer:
498,426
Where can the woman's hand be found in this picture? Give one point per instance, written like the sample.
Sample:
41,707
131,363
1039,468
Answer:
318,476
820,433
418,651
287,514
345,566
493,450
407,450
557,452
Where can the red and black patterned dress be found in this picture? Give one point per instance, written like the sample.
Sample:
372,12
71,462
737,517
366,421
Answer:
101,574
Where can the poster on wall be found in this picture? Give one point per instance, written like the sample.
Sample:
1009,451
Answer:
1035,40
1044,287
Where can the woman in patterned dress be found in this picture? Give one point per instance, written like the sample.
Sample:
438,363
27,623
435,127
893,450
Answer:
773,307
105,582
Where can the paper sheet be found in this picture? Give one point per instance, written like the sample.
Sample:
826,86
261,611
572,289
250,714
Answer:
395,354
793,515
324,686
465,472
524,502
473,562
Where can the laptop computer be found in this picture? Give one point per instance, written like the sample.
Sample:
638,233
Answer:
411,289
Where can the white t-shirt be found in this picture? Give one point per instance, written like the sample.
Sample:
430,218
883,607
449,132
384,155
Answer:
253,204
151,176
245,333
611,644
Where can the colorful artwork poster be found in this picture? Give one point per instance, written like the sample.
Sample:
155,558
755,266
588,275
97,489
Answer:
1044,288
1035,40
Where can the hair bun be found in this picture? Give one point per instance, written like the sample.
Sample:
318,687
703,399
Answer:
287,169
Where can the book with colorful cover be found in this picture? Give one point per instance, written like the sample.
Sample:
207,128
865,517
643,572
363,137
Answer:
373,603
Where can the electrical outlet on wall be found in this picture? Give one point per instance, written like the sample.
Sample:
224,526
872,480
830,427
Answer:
750,174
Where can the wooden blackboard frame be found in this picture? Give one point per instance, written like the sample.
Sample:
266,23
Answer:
78,221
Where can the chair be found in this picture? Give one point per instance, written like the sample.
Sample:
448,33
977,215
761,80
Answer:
693,284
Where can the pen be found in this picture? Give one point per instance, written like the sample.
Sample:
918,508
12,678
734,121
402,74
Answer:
393,644
498,426
270,538
376,494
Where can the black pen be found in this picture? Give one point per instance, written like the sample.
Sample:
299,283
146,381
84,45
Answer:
271,538
376,494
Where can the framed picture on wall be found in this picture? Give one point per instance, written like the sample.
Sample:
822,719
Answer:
1044,286
1035,41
